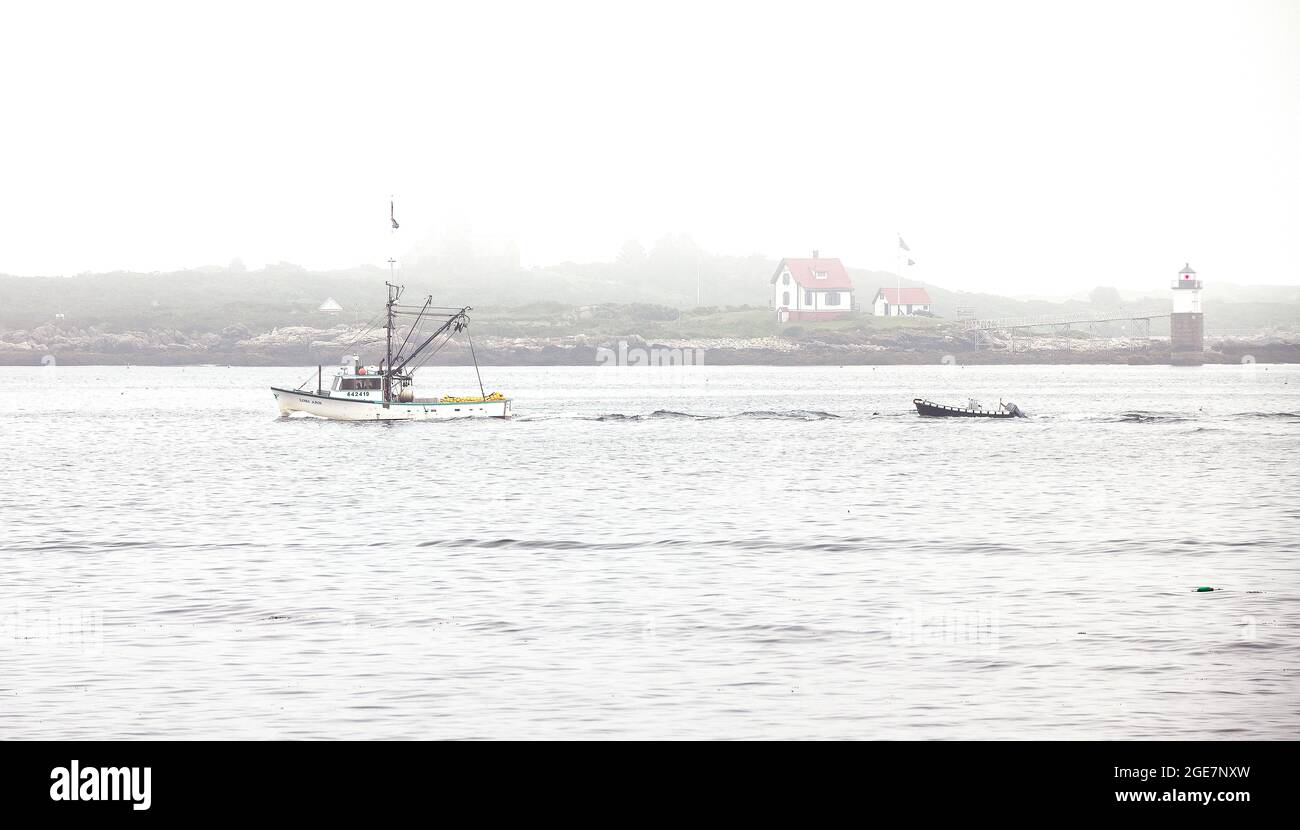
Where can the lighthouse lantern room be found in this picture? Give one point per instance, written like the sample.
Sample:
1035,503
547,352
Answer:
1187,292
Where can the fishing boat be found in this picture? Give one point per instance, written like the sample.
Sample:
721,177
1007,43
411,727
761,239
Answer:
386,392
973,409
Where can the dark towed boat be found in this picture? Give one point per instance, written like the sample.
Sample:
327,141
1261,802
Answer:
973,410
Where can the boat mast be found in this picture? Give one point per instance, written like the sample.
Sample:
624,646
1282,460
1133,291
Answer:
394,292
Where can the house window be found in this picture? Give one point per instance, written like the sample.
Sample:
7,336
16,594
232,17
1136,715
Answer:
785,278
832,298
807,298
821,275
785,298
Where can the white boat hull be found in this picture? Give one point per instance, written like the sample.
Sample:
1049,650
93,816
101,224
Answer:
345,409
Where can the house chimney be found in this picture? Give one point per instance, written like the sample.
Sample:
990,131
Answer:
815,253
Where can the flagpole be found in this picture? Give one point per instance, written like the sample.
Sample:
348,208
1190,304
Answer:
898,275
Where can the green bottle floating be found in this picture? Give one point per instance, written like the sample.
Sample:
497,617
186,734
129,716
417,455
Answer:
1203,589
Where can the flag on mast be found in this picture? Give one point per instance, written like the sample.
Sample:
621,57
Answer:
392,217
902,244
911,261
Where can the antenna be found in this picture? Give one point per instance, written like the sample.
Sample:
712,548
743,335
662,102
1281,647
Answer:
392,236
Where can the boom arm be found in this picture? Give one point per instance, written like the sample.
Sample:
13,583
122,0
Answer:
459,321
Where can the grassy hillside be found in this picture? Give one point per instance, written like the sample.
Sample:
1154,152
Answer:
653,296
667,323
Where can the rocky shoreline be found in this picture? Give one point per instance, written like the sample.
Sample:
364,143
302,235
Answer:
300,345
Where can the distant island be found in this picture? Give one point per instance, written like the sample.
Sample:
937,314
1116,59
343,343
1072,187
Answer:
564,315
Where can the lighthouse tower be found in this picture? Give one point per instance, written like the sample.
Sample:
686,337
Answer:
1186,323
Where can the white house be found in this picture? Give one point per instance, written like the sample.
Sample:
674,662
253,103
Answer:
811,289
889,303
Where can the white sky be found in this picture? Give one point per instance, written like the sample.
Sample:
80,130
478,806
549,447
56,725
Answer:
1019,147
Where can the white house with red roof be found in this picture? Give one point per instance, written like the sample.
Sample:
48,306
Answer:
896,302
812,289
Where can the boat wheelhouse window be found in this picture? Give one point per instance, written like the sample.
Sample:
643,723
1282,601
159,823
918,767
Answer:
360,383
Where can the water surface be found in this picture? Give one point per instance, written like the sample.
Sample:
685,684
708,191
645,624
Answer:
654,552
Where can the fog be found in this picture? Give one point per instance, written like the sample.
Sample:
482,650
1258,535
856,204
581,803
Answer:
1019,147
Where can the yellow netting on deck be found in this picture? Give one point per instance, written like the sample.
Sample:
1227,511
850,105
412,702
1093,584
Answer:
495,396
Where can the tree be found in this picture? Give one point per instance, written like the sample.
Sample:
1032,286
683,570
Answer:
632,255
1105,296
674,262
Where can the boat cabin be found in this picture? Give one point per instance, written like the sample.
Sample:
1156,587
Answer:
352,380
